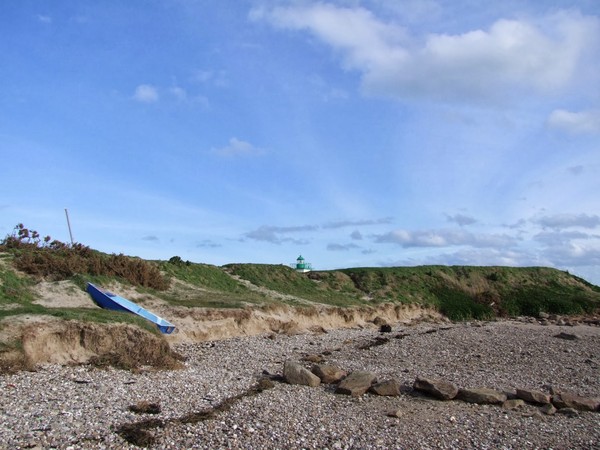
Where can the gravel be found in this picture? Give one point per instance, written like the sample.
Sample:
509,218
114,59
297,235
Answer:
84,407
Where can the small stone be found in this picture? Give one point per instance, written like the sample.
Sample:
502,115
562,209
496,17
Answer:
568,400
533,396
440,389
481,396
145,407
548,409
394,413
569,412
514,404
264,384
379,321
313,358
534,414
356,384
294,373
386,388
328,374
566,336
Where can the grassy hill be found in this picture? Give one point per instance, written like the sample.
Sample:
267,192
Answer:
459,292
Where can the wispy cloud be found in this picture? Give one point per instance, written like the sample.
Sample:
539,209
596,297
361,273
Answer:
356,223
341,247
461,219
559,221
237,147
277,235
356,235
575,122
146,93
44,18
445,238
561,237
207,244
214,77
576,170
474,65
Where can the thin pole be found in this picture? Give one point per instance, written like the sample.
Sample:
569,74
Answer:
69,225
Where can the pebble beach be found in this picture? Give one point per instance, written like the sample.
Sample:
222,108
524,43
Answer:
213,402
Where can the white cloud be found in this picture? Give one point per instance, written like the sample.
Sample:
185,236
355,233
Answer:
574,254
445,238
575,122
237,147
276,235
146,93
476,65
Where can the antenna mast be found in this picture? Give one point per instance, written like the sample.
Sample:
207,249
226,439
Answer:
69,225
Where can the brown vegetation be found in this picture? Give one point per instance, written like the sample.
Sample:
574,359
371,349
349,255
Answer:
54,260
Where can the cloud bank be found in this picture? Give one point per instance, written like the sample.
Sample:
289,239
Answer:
478,65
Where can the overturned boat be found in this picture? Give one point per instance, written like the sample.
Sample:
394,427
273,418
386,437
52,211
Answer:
108,300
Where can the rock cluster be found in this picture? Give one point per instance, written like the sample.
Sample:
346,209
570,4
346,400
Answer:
360,382
556,319
549,402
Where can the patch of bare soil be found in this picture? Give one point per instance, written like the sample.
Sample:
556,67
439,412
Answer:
33,340
201,324
62,294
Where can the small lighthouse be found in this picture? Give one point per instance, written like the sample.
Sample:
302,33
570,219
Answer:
302,266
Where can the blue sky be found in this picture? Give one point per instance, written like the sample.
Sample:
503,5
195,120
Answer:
355,133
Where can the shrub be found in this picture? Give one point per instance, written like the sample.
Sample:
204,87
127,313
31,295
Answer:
458,305
57,261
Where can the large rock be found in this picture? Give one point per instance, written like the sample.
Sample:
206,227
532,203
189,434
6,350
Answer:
387,387
356,384
294,373
441,389
569,400
328,374
481,396
533,396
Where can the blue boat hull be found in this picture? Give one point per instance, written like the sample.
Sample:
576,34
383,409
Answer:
108,300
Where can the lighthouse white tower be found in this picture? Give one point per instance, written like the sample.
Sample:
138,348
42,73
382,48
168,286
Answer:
302,266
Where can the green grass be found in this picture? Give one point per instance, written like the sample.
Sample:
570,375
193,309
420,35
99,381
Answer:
205,275
459,292
211,287
317,287
13,288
